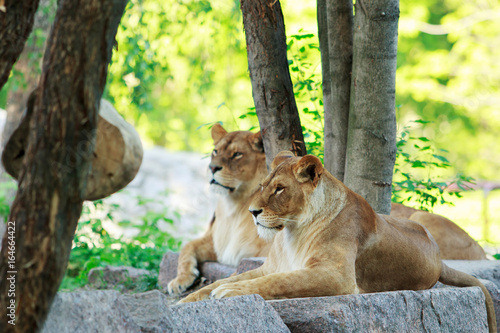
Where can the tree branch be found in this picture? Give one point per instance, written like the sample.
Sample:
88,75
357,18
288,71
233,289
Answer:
60,146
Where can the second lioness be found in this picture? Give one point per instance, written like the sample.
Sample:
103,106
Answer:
329,242
238,165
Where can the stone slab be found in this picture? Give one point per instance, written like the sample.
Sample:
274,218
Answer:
235,314
211,271
247,264
109,311
115,276
494,292
88,311
435,310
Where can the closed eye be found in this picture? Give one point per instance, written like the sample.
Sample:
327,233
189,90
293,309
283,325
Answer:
237,155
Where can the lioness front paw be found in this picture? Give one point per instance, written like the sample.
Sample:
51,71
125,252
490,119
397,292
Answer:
181,283
229,290
199,295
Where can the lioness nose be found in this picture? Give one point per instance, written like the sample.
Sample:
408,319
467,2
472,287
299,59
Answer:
255,212
215,168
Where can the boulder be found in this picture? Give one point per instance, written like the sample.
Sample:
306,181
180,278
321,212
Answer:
116,158
89,311
110,277
492,288
247,264
210,271
435,310
108,311
150,311
248,313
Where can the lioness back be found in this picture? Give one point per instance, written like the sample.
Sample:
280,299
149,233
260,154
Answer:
454,242
398,234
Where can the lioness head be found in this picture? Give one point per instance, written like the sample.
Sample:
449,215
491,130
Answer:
289,195
238,161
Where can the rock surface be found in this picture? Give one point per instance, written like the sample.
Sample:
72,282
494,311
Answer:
236,314
436,310
210,271
492,288
109,277
247,264
108,311
90,311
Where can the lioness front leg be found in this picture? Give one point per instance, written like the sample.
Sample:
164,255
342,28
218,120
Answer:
204,293
194,252
307,282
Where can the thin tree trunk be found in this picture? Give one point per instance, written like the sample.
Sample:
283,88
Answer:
371,146
271,83
336,96
61,142
28,67
15,26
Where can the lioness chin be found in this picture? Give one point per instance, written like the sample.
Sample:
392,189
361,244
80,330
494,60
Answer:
238,165
332,243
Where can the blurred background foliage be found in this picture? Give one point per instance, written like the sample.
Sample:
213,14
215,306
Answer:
182,64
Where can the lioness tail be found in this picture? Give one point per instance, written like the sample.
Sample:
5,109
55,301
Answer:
456,278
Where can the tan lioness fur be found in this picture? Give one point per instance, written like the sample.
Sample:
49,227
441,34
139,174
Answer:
453,241
238,165
329,241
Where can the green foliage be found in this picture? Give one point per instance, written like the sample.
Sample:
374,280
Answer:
180,64
94,246
305,71
6,189
414,172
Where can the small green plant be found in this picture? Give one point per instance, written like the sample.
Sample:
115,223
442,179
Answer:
94,246
417,153
6,190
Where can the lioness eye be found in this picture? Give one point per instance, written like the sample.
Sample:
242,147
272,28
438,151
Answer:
214,152
279,189
237,155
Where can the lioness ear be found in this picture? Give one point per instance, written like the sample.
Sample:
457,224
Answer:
256,142
309,168
218,132
280,157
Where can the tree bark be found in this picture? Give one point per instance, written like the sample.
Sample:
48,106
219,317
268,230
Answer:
60,147
15,26
371,145
336,57
29,68
271,83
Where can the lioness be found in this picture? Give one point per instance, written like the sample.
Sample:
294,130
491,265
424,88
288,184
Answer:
238,165
453,241
329,241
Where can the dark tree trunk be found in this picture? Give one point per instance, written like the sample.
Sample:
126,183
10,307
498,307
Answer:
61,142
371,146
15,26
29,68
271,83
335,32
